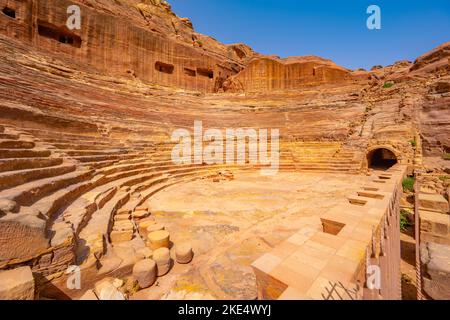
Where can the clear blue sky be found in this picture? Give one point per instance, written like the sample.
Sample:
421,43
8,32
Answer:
333,29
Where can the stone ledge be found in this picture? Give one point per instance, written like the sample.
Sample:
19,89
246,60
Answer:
318,264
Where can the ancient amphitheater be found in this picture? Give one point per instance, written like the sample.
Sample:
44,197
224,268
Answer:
92,205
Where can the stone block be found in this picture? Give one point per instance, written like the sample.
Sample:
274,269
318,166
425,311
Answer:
121,217
140,214
436,270
105,290
437,224
121,236
158,239
163,260
123,225
17,284
145,272
14,228
144,253
184,253
143,225
434,202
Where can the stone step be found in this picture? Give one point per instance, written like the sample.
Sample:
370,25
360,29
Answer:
16,144
125,167
79,212
29,193
325,164
86,147
323,160
86,159
148,166
97,185
52,204
82,153
100,164
98,227
14,178
60,135
28,163
156,185
101,142
326,170
23,153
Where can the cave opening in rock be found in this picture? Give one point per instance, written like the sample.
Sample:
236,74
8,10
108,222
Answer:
381,159
9,12
52,32
205,73
164,67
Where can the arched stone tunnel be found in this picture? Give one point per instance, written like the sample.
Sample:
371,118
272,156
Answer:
381,158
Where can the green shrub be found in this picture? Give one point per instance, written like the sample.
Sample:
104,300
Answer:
413,143
408,184
446,156
388,85
444,178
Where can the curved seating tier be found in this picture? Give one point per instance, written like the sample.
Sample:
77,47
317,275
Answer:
76,183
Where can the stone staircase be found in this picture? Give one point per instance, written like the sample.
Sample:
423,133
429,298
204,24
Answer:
73,185
330,157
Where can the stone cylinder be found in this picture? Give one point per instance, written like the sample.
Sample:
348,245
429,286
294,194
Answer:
155,227
145,272
184,253
163,261
143,225
158,239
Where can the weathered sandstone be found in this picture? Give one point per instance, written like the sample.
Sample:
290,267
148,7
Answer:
17,284
145,273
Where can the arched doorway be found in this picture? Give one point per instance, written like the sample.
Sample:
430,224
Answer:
381,158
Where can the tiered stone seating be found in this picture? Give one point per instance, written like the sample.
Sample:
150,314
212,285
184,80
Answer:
324,157
79,183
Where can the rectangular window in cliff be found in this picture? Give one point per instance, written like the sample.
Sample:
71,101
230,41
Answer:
164,67
9,12
190,72
50,31
205,72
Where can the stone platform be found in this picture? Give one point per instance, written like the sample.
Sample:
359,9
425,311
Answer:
231,223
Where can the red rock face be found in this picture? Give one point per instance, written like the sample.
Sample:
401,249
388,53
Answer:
271,74
435,59
87,114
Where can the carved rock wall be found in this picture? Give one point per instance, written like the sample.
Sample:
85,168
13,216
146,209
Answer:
269,74
119,45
